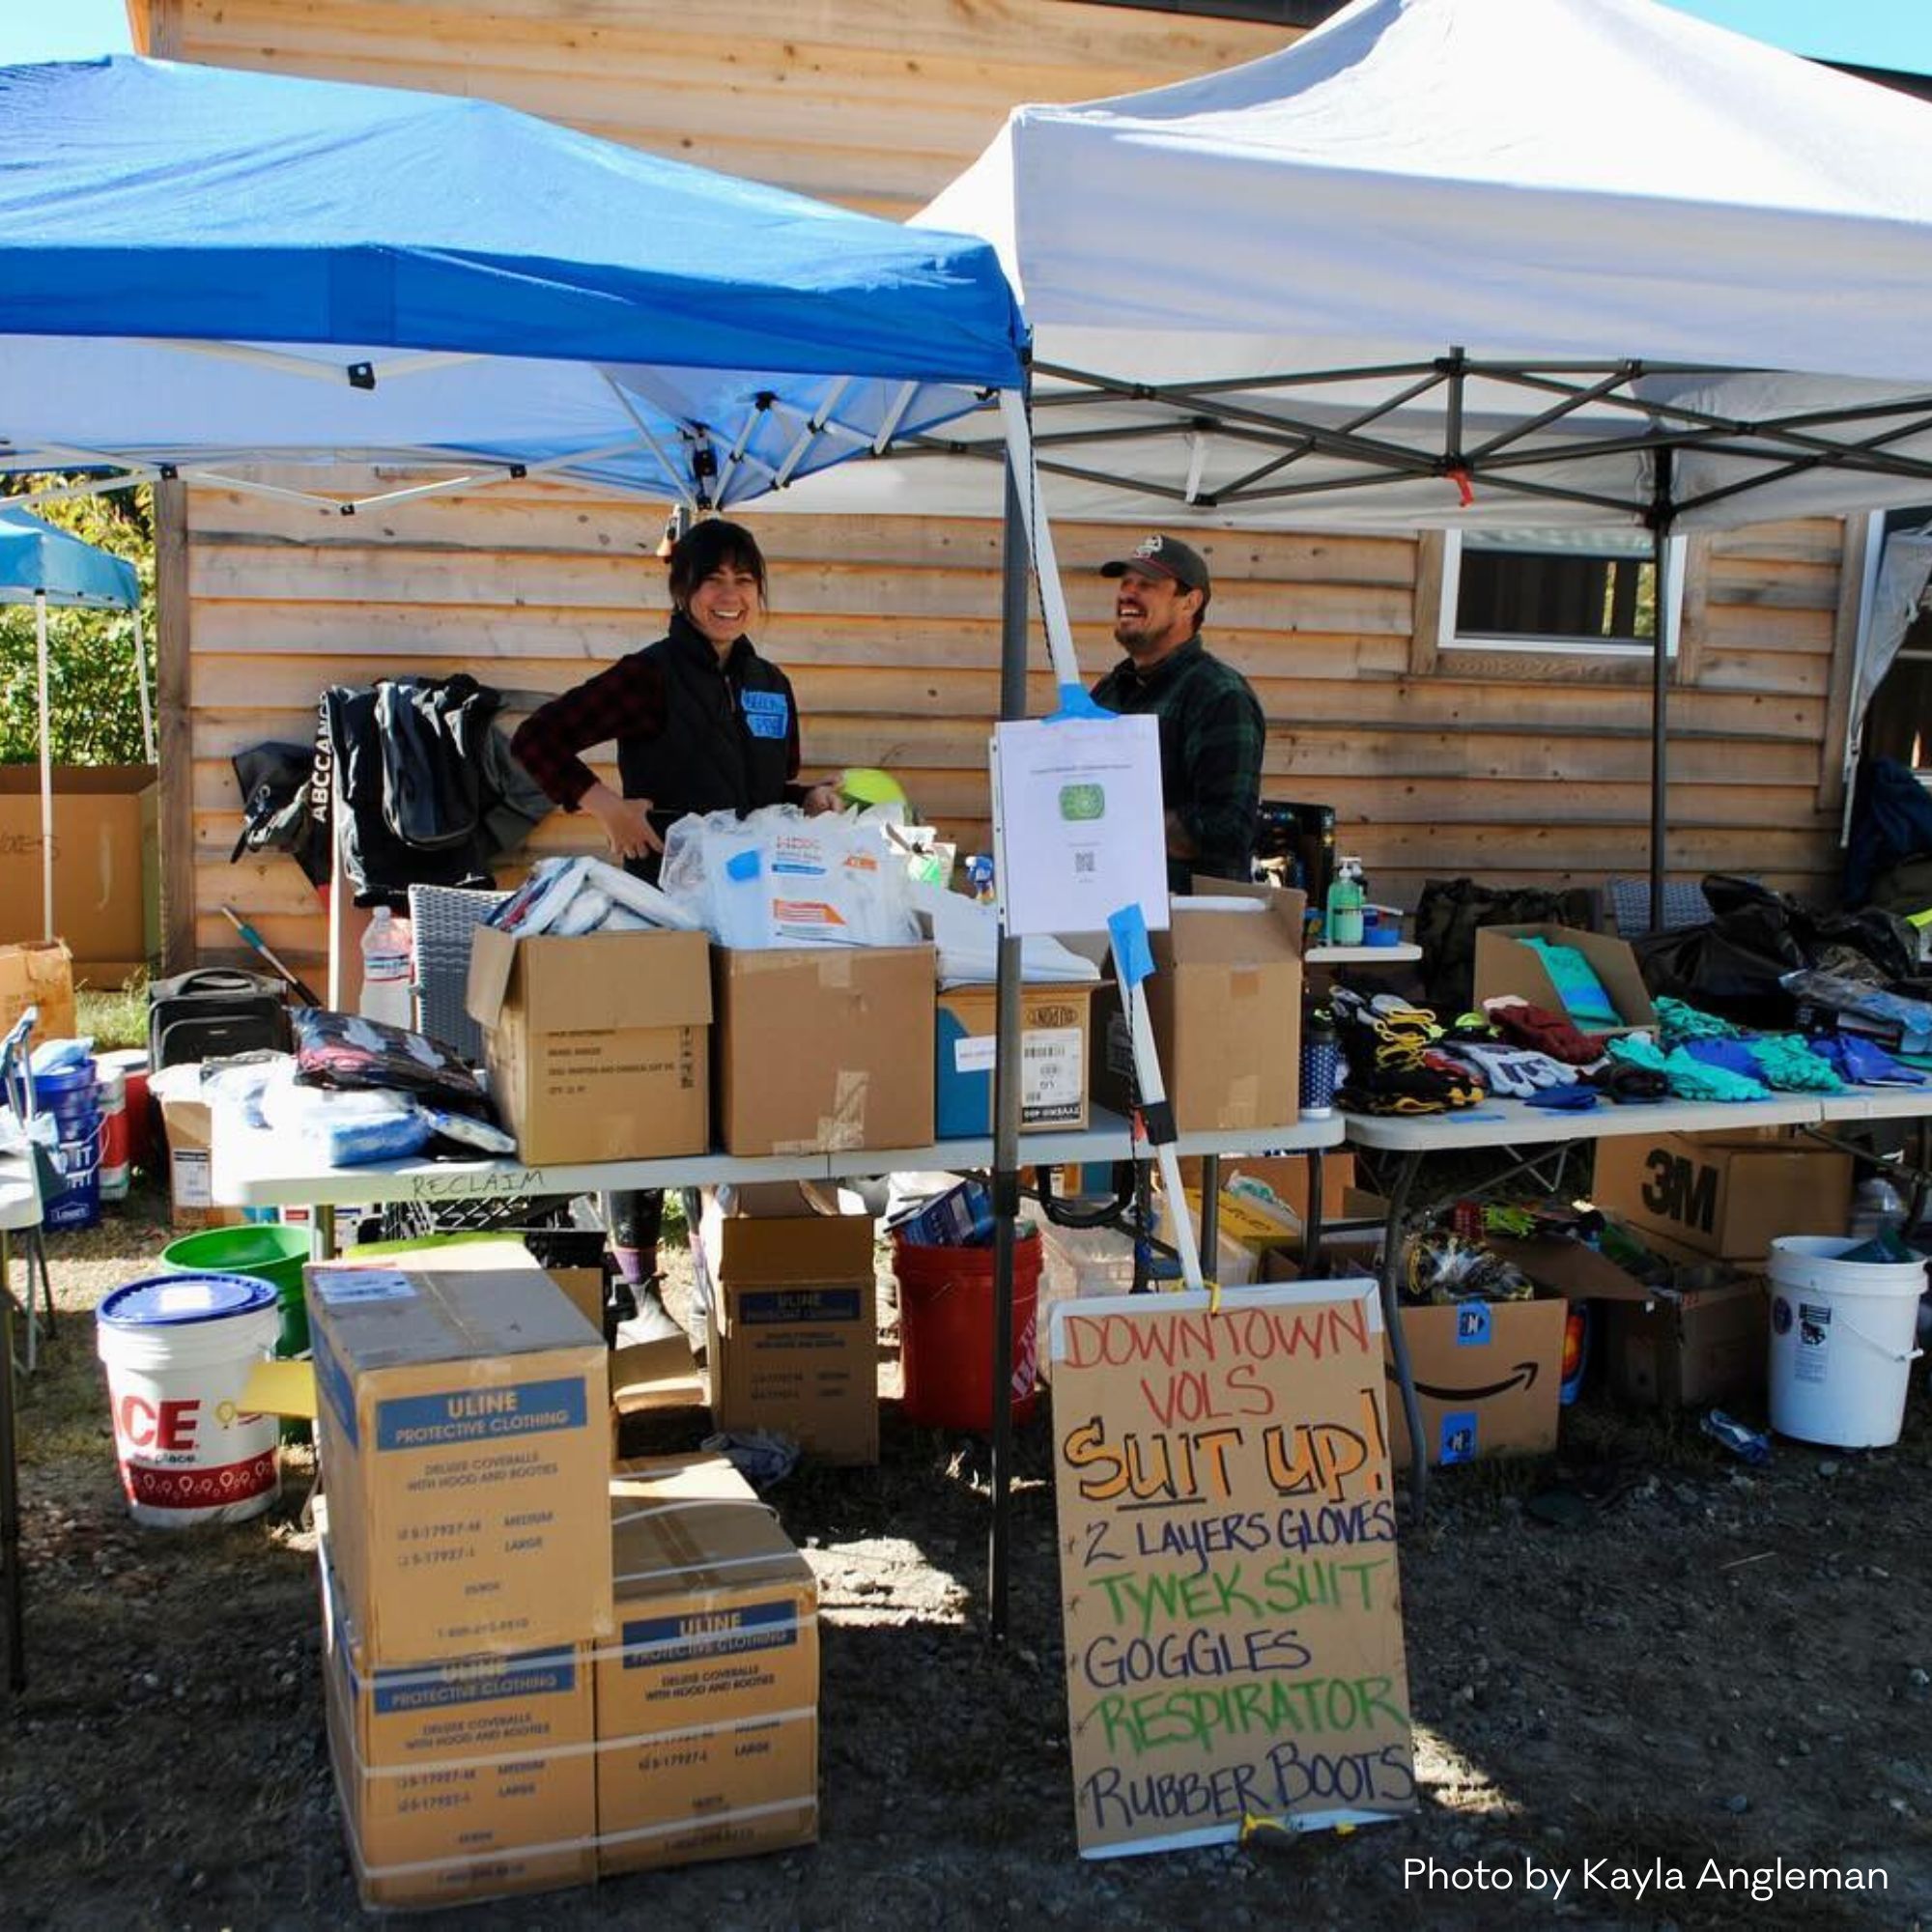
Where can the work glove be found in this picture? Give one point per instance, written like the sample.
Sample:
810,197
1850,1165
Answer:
1511,1070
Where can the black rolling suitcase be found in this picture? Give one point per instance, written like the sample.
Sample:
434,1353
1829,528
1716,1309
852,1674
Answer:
215,1010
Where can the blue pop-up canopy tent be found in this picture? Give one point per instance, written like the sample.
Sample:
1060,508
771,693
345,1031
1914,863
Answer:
208,274
203,271
43,566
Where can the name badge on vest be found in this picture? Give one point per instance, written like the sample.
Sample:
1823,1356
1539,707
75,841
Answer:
767,713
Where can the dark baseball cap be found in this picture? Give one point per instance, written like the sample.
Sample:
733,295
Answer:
1160,555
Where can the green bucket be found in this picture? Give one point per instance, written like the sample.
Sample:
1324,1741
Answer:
271,1251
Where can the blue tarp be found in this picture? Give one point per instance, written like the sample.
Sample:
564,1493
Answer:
36,559
574,299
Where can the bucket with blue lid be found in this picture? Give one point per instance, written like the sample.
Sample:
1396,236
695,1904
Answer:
179,1351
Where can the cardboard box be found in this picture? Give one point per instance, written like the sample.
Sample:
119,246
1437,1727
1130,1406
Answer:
707,1704
1503,966
1487,1376
106,897
187,1123
38,973
1689,1346
824,1048
1285,1175
466,1253
465,1440
1225,1003
1723,1194
1055,1051
793,1329
597,1046
460,1779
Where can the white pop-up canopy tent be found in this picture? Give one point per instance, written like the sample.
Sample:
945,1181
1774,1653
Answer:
1463,262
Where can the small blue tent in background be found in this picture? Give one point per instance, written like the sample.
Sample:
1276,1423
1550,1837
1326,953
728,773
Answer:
42,566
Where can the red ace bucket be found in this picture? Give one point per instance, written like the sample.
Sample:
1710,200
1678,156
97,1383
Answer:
179,1350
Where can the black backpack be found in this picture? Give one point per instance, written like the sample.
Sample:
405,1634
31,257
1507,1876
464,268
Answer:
214,1011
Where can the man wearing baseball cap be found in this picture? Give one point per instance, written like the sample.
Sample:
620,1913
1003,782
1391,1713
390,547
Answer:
1211,728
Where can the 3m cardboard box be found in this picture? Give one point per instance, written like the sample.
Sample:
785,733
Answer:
1225,1005
1690,1347
707,1703
463,1779
38,973
793,1329
1487,1376
187,1124
598,1046
465,1440
1720,1194
107,895
1503,966
1056,1038
823,1048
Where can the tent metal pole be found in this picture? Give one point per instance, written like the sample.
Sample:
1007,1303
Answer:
1662,512
1015,558
141,686
46,769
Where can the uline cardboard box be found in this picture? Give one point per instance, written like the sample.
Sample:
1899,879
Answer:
1724,1195
1503,966
1056,1023
41,975
793,1341
598,1046
1225,1003
106,902
824,1048
1690,1347
465,1439
1487,1376
707,1703
463,1779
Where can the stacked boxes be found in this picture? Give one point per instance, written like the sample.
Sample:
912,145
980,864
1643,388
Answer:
499,1719
707,1704
464,1444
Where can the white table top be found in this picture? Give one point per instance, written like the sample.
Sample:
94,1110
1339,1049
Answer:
1362,956
1516,1124
1876,1104
19,1193
260,1171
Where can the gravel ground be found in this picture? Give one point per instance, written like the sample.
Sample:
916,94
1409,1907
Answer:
1715,1664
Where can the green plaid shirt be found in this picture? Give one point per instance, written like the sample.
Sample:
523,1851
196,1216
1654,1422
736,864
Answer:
1211,739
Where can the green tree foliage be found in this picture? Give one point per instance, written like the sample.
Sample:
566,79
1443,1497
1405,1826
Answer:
95,711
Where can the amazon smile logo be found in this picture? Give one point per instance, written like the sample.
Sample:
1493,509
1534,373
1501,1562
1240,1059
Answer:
1522,1376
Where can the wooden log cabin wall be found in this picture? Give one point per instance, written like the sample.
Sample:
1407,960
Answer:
1509,768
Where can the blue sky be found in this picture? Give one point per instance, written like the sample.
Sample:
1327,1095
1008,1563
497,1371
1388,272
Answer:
37,30
1869,33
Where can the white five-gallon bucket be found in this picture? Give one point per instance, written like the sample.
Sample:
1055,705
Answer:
1842,1342
179,1350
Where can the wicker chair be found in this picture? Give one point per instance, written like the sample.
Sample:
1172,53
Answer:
442,920
1683,904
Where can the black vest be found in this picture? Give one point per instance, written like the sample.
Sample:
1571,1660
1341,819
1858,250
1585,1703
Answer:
727,741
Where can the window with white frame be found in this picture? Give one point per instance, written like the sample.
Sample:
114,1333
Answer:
1559,591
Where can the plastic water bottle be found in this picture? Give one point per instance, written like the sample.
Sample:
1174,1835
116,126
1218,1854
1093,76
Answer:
1346,897
385,971
1877,1208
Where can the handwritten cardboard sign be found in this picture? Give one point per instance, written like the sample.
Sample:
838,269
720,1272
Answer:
1227,1565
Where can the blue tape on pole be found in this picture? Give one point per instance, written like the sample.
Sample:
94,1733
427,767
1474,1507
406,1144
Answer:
1074,703
1130,944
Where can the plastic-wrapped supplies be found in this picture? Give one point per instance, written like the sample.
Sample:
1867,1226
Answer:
778,878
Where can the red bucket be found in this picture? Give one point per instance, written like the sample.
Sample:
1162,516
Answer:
945,1333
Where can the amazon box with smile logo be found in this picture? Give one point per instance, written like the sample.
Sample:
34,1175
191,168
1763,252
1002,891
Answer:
1486,1376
